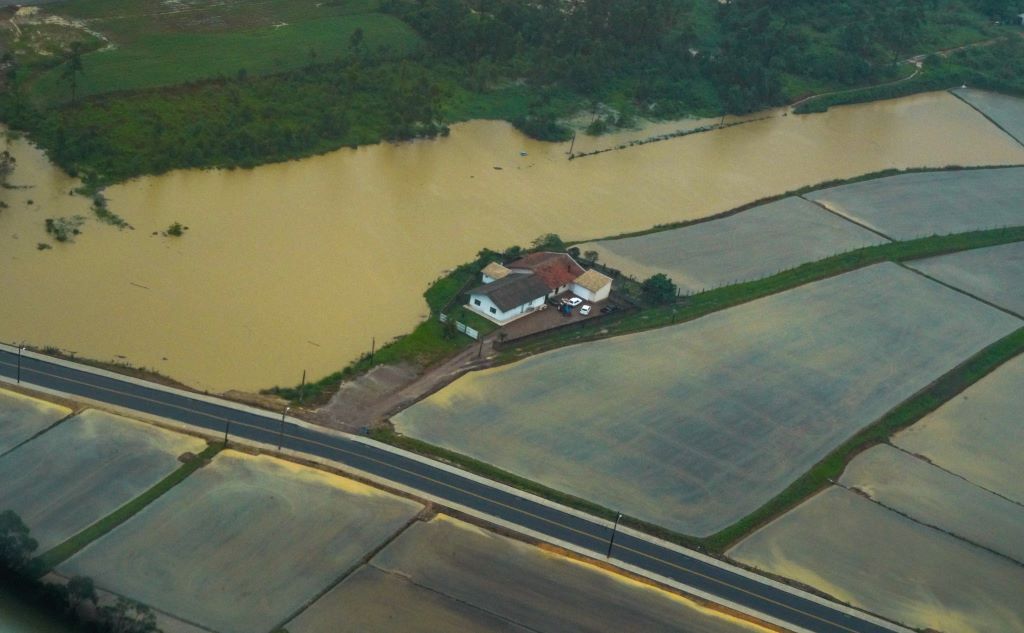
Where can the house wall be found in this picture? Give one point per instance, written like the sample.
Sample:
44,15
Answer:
593,297
493,312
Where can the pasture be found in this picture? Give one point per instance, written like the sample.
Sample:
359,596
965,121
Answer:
914,205
932,496
873,558
694,426
978,435
750,245
1005,111
242,543
995,274
446,575
83,469
156,45
21,417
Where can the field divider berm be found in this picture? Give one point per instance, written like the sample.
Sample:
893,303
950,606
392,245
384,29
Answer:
60,553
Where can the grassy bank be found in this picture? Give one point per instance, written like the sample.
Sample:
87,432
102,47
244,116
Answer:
70,547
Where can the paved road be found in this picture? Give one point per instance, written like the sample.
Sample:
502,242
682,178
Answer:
727,585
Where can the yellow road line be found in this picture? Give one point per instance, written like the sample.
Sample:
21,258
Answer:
601,539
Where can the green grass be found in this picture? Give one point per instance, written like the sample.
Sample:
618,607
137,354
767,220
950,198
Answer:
165,59
899,418
73,545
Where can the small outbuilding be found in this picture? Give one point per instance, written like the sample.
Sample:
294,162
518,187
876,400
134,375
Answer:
493,272
1020,19
592,286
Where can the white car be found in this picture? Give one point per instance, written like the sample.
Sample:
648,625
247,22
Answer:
574,301
585,310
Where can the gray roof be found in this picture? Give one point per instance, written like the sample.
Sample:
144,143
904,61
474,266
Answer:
512,291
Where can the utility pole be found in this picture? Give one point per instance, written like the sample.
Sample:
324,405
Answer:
480,350
373,347
302,386
611,541
572,144
21,349
280,437
227,429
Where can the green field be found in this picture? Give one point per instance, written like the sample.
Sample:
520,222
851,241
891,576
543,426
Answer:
446,575
994,274
243,543
694,426
908,206
154,44
85,468
873,558
22,417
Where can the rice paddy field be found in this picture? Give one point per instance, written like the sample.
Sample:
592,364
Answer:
83,469
978,435
873,558
1005,111
243,543
915,205
932,496
995,274
446,575
755,243
694,426
22,417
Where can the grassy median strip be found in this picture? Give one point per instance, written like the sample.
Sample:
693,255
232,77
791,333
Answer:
904,415
705,303
73,545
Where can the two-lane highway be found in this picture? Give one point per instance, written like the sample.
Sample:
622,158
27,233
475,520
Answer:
729,585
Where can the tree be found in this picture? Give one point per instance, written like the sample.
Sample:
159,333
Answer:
73,67
16,544
128,616
548,242
7,163
80,589
591,256
659,289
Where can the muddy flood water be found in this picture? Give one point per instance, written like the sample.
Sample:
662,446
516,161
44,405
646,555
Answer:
295,266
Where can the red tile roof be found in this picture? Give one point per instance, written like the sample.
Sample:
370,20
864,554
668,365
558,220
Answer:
555,269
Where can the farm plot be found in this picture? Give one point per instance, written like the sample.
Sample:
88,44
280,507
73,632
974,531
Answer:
242,543
1007,112
446,575
930,495
978,435
916,205
694,426
85,468
742,247
994,274
21,417
873,558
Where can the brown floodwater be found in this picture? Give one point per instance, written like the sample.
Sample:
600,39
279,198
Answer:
298,265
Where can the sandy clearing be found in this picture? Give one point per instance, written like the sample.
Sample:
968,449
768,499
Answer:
21,417
978,434
932,496
934,203
871,557
243,543
694,426
995,274
755,243
445,569
85,468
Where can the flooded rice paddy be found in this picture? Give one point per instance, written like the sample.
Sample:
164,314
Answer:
296,266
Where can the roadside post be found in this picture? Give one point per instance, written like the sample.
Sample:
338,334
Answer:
280,437
611,541
21,349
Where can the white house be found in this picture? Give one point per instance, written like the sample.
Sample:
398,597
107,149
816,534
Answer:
509,297
592,286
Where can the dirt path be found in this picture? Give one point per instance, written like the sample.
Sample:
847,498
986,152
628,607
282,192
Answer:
387,389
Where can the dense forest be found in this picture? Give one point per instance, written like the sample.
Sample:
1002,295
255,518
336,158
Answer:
535,64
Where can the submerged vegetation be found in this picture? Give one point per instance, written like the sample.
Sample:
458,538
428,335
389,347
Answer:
293,79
